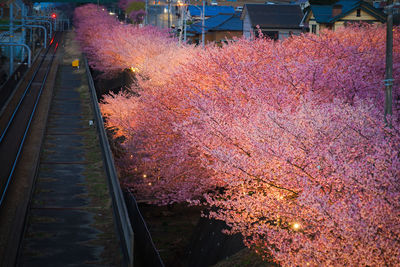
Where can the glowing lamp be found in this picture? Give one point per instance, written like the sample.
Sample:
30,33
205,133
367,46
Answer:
296,226
133,69
53,15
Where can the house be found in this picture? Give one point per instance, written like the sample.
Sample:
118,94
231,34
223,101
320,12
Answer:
274,21
318,17
217,29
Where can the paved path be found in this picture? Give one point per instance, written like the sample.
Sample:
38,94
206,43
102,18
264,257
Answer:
70,222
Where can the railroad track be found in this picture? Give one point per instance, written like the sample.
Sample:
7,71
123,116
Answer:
15,131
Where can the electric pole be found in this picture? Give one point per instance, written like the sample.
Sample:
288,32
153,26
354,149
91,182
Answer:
389,63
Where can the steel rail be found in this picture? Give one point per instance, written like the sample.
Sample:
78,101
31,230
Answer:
21,143
24,94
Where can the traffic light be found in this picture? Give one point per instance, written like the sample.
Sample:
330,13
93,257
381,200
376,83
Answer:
53,15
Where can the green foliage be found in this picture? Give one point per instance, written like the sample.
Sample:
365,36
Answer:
135,6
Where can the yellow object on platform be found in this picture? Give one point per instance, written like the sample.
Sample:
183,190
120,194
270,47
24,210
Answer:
75,63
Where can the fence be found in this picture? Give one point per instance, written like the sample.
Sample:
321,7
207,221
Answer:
147,254
119,207
137,243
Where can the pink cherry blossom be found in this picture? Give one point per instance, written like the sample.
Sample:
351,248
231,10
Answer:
284,141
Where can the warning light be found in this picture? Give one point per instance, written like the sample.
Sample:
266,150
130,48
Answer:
54,15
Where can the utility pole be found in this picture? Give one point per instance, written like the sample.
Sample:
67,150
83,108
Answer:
11,70
182,12
146,10
202,23
389,63
184,23
23,13
169,13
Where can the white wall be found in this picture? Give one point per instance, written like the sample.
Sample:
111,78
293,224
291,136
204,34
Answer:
247,30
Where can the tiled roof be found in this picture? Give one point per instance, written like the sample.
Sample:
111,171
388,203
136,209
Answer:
274,16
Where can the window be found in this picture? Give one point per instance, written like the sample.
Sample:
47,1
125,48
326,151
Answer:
274,35
358,12
314,28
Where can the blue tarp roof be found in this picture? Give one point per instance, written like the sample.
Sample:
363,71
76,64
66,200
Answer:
222,22
210,10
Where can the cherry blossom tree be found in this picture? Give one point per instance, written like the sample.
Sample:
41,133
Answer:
310,174
284,141
317,185
112,46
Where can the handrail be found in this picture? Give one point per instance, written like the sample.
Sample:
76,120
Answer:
38,26
23,45
30,26
35,20
42,17
120,210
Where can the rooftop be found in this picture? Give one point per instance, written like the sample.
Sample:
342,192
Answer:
222,22
274,16
210,10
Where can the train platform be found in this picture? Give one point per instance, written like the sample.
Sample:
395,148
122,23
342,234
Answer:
70,218
70,221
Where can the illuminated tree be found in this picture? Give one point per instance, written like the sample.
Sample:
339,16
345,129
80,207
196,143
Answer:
284,141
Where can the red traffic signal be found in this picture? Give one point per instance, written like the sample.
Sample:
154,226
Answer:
54,15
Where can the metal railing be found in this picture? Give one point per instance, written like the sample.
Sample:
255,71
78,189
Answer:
24,46
146,251
119,207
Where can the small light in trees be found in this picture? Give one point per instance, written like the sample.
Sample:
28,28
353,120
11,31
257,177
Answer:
296,226
134,69
149,184
144,176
